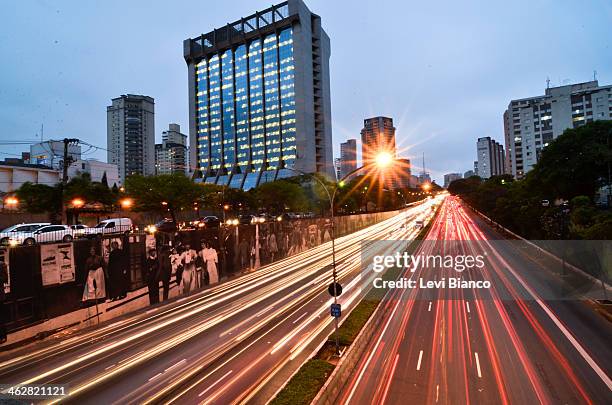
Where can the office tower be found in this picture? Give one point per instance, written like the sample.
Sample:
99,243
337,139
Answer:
130,129
51,153
490,157
259,98
337,166
469,174
348,156
531,123
402,173
450,177
171,155
377,135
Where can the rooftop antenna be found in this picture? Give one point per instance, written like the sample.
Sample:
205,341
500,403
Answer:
424,172
41,132
547,82
594,75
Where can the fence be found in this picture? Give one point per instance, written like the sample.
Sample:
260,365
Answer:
48,280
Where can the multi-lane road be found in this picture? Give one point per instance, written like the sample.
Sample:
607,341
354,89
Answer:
505,344
230,343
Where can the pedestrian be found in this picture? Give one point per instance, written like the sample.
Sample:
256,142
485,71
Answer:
188,259
209,254
272,246
95,285
202,273
177,267
165,270
4,278
117,271
152,276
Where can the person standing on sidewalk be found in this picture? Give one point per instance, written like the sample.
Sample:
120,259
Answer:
95,285
152,276
189,257
3,279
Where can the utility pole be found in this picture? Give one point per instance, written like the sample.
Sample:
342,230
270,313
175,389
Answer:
67,161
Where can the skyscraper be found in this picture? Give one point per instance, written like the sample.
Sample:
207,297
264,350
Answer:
377,135
259,98
130,135
171,155
490,157
531,123
450,177
348,156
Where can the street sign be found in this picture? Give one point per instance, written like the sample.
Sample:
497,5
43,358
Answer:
334,289
336,310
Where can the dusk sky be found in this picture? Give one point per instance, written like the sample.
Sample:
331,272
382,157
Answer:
444,70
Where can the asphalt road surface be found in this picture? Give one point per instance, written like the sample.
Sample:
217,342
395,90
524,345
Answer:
221,345
502,345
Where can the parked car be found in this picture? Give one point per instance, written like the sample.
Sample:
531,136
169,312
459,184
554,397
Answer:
109,226
78,230
47,233
166,225
211,221
13,230
248,219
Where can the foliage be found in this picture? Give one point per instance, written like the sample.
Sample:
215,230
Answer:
280,195
571,168
167,193
39,198
305,384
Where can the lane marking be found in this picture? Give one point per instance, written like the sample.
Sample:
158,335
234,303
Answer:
467,305
155,376
215,383
437,392
300,317
420,358
429,306
171,367
478,365
109,367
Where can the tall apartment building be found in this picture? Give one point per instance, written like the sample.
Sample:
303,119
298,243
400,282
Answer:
171,156
490,157
337,167
348,156
377,135
130,135
259,97
403,173
531,123
450,177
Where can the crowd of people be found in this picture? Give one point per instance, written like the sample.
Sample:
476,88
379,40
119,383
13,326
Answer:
192,268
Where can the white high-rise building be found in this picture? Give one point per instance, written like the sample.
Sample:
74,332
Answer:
490,158
130,133
531,123
171,156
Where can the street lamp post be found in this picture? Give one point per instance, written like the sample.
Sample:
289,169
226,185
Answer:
382,160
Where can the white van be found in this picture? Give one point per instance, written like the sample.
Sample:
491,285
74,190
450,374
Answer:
109,226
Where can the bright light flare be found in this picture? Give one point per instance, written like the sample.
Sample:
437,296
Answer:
383,159
77,203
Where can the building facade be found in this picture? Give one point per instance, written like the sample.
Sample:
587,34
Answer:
172,155
348,156
97,171
403,173
450,177
13,174
377,135
259,98
51,153
490,157
531,123
130,135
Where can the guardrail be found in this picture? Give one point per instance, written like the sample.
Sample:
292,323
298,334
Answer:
552,256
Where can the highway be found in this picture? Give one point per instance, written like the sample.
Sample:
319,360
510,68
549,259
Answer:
222,345
502,345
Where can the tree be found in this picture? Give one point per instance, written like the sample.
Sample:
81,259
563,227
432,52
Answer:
39,198
276,196
166,193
